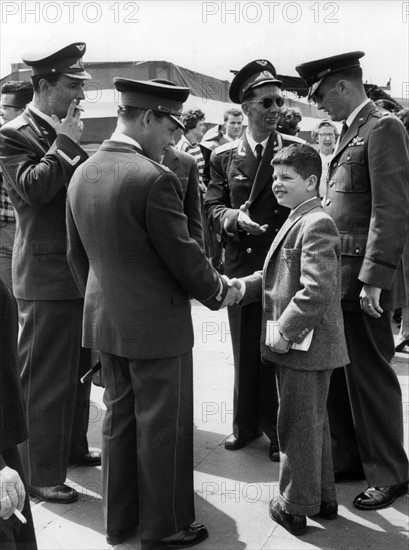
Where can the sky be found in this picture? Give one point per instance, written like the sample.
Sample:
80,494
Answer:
215,37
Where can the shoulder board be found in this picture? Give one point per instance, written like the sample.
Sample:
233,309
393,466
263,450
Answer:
17,122
292,139
379,112
226,147
161,167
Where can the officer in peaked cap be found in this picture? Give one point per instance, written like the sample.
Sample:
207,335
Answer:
67,62
161,96
39,151
372,218
253,75
314,72
139,315
244,212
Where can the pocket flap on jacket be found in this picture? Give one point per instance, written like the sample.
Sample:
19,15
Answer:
353,244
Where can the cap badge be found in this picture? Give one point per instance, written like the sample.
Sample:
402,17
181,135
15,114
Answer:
262,62
267,74
80,47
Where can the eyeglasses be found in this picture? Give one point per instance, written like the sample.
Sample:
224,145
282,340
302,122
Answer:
268,101
326,135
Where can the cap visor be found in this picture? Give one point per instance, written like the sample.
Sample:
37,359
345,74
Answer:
314,88
180,124
79,76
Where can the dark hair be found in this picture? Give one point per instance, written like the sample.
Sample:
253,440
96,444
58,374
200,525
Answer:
233,111
190,119
288,121
22,89
50,78
303,158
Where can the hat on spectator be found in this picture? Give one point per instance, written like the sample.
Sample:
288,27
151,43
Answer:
67,62
314,72
166,98
254,74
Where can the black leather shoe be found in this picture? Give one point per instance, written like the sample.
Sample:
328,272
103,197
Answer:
379,497
61,494
92,458
274,453
232,443
328,510
119,536
348,475
296,525
402,345
195,533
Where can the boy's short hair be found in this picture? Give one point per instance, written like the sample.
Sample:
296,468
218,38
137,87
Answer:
21,89
233,111
190,119
303,158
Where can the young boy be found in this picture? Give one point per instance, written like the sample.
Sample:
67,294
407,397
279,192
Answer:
300,290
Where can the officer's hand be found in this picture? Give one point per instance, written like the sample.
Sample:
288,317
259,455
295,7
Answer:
246,223
12,492
279,344
70,126
369,298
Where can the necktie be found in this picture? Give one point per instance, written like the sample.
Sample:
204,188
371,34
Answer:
259,153
343,131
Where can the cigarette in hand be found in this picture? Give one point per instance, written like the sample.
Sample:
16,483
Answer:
19,516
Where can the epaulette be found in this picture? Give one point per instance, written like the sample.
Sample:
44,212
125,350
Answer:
380,112
17,122
294,139
226,147
161,167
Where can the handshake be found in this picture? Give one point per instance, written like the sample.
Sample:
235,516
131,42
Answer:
235,292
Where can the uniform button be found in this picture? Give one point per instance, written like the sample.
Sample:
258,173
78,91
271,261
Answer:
328,202
249,250
276,211
357,250
276,230
348,157
335,164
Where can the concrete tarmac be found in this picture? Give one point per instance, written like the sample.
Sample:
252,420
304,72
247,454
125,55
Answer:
233,488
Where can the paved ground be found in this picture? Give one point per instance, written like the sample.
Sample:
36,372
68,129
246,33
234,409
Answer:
232,488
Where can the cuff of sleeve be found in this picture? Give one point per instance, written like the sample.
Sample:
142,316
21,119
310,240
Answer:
375,274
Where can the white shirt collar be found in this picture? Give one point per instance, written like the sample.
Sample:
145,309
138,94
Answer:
118,136
253,143
354,113
40,114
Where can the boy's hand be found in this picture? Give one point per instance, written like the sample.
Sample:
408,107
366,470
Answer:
279,344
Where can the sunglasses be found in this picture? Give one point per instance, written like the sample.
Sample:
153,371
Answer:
268,101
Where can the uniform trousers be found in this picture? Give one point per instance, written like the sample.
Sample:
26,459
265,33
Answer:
375,399
255,399
147,452
306,472
50,358
13,534
7,233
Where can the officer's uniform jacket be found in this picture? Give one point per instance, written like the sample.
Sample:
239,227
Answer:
300,287
235,179
133,258
37,168
185,167
368,197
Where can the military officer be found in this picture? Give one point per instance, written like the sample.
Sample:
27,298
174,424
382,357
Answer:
39,151
242,209
368,197
137,273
